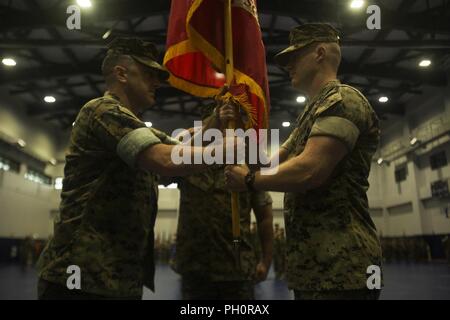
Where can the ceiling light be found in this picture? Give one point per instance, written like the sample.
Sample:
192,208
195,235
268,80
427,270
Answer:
356,4
380,161
107,34
413,141
383,99
84,3
49,99
10,62
148,124
286,124
52,161
425,63
21,143
301,99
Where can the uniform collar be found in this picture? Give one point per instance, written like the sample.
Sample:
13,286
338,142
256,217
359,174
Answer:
325,89
111,95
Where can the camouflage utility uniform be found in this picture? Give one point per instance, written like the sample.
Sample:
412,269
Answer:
204,255
108,206
331,239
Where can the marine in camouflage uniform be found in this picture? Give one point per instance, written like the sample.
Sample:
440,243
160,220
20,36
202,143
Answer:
331,239
204,254
108,208
108,202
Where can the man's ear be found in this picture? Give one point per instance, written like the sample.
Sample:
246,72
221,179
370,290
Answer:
320,53
120,73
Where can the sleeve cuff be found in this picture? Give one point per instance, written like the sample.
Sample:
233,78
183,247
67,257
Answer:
337,127
164,137
134,142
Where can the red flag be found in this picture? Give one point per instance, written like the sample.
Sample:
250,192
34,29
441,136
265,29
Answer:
195,53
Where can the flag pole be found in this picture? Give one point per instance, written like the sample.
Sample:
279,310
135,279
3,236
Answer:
229,66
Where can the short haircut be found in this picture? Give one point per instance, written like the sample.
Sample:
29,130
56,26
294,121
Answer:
111,60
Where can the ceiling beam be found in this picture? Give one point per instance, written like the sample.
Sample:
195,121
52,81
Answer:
109,10
350,43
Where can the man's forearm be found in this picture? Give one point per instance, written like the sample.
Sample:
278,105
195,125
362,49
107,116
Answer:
265,233
295,175
164,160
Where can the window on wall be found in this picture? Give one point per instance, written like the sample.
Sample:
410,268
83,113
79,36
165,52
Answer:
38,177
401,173
7,164
438,160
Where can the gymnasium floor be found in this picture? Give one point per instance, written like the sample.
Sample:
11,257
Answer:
402,281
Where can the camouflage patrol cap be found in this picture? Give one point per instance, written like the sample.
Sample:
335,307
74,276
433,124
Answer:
304,35
142,51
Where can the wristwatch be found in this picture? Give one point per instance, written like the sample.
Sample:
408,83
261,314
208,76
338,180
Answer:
250,180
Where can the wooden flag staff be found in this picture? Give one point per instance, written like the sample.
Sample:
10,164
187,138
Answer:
235,219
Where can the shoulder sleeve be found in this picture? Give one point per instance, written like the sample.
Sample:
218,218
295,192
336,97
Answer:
344,116
120,131
289,143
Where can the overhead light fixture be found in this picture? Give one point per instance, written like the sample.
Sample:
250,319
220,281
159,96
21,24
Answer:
9,62
425,63
49,99
84,3
380,161
286,124
107,34
52,161
301,99
413,141
148,124
383,99
356,4
73,124
21,143
4,166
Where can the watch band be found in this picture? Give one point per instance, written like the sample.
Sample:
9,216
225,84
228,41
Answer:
250,180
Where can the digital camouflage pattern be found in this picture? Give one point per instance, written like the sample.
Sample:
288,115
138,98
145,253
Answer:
204,235
142,51
331,239
107,210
